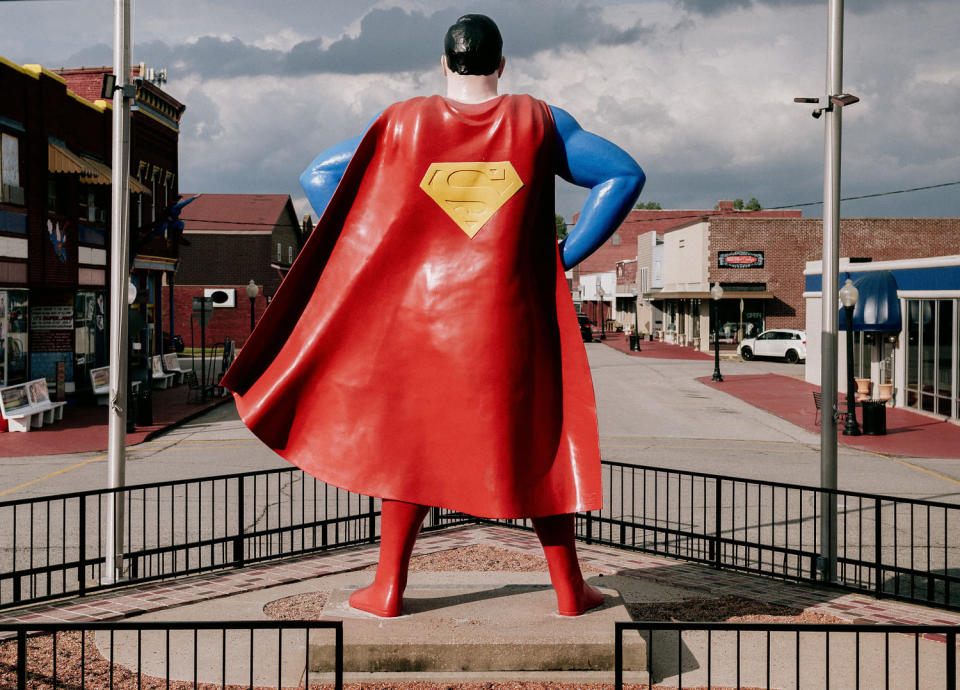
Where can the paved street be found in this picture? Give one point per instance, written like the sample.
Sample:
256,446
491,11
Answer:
651,411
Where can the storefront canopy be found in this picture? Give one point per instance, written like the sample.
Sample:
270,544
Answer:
60,159
878,307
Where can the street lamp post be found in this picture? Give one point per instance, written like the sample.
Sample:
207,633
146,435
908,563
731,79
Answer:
635,338
716,292
848,298
252,292
600,294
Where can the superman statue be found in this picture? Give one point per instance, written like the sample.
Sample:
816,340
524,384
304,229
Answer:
424,347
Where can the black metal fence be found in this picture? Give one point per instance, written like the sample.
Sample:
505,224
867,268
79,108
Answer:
784,655
54,546
155,654
886,546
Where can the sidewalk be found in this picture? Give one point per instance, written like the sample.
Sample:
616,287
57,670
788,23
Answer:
84,427
909,434
653,348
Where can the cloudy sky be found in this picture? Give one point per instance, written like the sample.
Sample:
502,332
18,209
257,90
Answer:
698,91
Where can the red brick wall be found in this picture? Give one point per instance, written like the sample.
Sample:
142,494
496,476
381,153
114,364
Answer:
226,321
788,243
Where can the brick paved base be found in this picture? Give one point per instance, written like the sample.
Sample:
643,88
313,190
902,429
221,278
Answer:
695,577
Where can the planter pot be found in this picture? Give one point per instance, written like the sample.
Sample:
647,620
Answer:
884,392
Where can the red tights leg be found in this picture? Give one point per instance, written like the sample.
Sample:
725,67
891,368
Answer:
399,524
574,596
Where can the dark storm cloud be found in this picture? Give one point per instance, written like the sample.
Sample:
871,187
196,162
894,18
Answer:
390,40
714,7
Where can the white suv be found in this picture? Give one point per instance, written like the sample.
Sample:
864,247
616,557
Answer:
788,343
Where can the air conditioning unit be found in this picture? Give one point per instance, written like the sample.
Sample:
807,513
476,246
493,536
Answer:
12,194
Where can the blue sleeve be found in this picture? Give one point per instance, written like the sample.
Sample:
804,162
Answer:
320,179
614,179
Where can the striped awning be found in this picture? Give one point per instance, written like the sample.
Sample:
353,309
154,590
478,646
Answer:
60,159
104,176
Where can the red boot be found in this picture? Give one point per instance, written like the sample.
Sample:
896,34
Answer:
574,596
399,524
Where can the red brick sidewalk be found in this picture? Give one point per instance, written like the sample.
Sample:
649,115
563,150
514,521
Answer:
84,427
653,348
909,434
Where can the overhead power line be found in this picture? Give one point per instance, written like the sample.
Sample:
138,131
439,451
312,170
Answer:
646,220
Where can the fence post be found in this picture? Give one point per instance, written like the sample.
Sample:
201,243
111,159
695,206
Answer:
952,661
21,659
238,555
718,516
877,550
618,657
589,538
82,556
372,518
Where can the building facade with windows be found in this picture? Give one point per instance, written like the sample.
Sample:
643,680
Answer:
234,238
55,191
919,354
759,263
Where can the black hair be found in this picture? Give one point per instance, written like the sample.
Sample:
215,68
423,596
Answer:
473,45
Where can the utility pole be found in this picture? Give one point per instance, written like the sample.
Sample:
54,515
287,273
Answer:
119,277
832,111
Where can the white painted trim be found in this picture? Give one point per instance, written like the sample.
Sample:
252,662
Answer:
815,267
928,294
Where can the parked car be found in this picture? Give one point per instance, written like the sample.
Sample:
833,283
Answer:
786,343
586,330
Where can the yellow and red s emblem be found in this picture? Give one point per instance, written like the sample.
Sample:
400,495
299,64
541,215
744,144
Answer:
470,193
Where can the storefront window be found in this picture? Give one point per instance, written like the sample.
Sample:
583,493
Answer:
13,336
90,335
944,357
932,356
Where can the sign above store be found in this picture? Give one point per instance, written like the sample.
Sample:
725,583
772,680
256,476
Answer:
740,259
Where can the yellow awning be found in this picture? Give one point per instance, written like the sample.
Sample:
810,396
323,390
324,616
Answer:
99,173
104,176
61,160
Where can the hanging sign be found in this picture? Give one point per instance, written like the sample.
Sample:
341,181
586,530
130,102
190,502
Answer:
740,259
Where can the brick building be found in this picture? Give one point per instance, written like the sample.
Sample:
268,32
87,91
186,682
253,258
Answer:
611,260
55,191
759,262
234,238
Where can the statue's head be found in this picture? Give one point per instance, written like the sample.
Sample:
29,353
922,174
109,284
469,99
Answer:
473,45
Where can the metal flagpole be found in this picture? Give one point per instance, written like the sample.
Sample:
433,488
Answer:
119,278
830,270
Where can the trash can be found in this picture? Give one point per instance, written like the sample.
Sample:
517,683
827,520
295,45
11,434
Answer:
144,407
132,411
874,418
634,343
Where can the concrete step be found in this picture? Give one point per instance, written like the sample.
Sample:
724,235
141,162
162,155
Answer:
477,624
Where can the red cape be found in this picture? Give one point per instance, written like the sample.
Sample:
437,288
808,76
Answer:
402,358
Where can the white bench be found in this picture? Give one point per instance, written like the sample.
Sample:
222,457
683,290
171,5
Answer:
172,364
27,406
161,379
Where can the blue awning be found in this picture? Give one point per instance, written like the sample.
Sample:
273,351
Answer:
878,307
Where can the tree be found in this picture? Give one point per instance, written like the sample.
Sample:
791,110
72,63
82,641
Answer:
649,206
561,226
753,205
